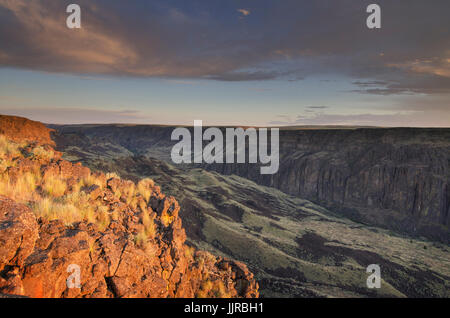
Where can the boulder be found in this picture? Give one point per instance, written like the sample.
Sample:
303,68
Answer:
18,233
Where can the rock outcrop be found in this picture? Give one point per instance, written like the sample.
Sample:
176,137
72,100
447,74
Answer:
38,257
22,129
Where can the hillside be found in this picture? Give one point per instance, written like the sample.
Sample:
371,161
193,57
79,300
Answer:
126,238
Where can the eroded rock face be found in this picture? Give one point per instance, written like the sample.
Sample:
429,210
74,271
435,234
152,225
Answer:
37,255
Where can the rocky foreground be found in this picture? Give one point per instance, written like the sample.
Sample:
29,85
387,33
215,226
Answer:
127,239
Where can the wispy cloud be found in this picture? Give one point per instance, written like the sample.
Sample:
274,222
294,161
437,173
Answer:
419,118
317,107
79,115
243,76
244,12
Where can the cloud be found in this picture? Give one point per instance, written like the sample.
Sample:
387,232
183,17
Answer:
39,39
409,83
246,76
79,115
317,107
337,120
410,54
399,118
244,12
364,84
434,66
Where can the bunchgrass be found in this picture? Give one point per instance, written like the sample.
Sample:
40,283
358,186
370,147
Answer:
55,198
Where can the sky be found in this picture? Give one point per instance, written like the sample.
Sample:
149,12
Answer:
227,62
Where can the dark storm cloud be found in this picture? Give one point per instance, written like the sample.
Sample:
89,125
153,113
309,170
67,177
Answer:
209,40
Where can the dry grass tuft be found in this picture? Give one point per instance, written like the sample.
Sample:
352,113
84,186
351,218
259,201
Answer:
102,217
214,289
149,224
54,186
9,148
42,153
144,188
91,180
51,210
141,240
22,189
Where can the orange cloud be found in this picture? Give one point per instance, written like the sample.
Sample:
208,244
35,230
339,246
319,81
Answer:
244,12
86,49
104,45
434,66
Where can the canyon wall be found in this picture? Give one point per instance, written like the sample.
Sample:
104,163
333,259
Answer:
399,178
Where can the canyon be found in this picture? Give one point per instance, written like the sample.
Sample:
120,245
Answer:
396,178
310,235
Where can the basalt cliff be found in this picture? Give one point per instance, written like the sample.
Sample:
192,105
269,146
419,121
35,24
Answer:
394,178
66,231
